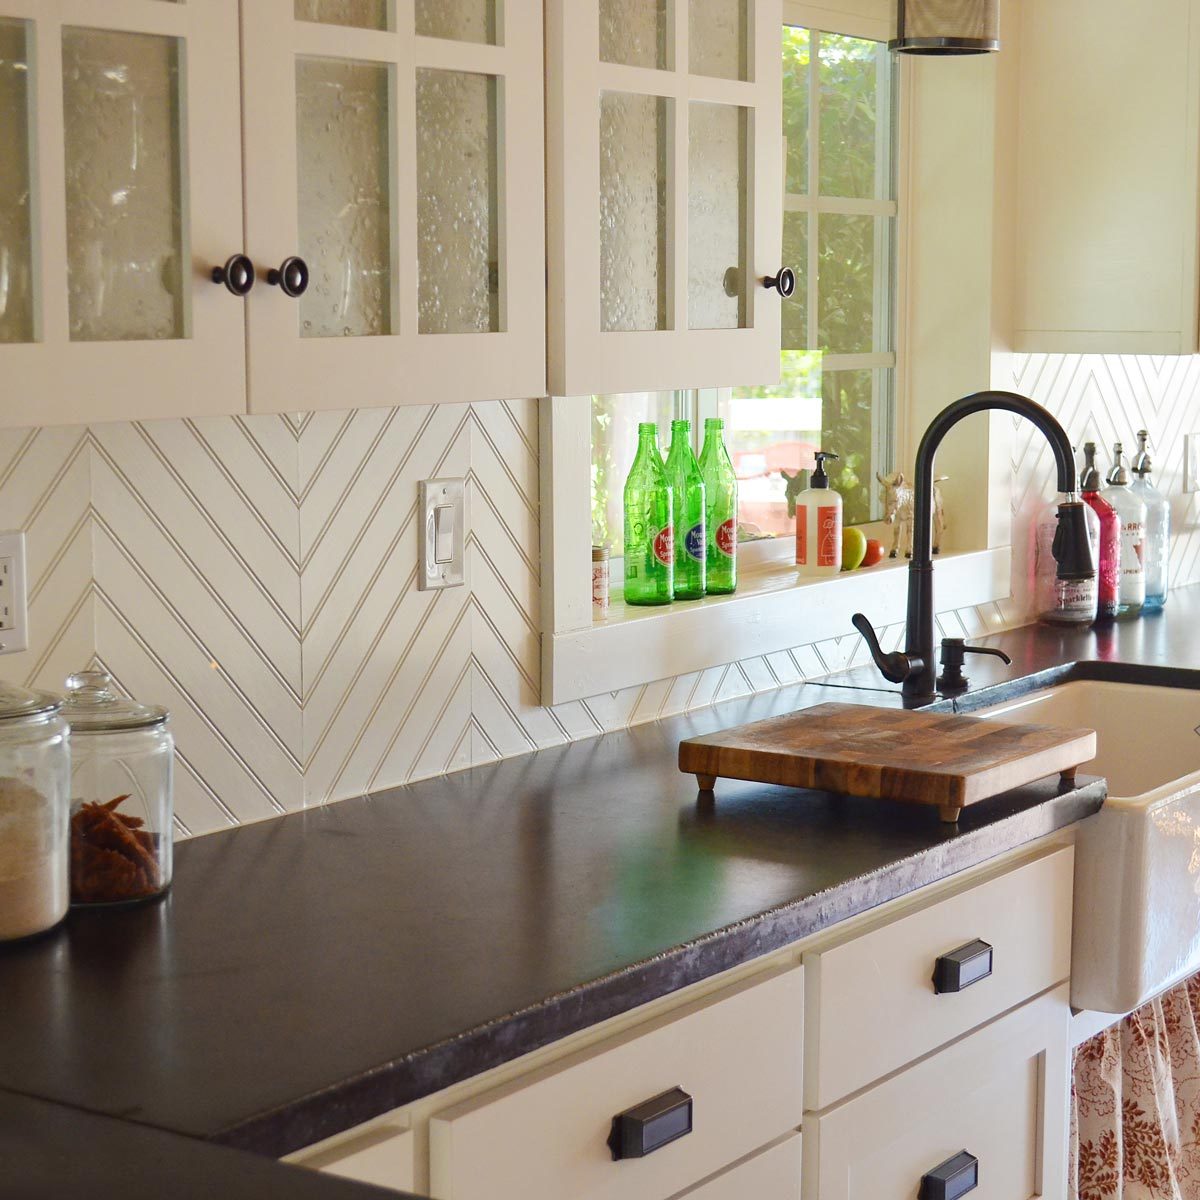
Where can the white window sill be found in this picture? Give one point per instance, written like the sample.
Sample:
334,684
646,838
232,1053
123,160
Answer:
770,612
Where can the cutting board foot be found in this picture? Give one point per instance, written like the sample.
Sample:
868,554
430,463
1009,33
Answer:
1068,777
706,783
949,813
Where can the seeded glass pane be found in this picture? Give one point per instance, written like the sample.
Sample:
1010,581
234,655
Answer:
794,310
343,155
717,271
123,198
797,45
634,32
460,20
633,212
362,14
457,203
16,241
851,75
851,403
846,283
717,42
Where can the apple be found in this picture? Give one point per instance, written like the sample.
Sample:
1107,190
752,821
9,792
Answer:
874,552
854,548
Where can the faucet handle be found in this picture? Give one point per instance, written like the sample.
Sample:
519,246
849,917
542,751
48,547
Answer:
897,667
953,651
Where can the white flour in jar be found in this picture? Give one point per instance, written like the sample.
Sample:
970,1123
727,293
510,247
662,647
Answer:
33,862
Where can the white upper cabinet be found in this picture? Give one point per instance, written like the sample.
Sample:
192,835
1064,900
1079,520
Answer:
120,191
1108,187
396,151
665,193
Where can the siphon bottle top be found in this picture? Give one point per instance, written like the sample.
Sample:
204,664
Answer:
1089,478
1142,464
1119,475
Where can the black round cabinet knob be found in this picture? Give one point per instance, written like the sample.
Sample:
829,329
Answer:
291,276
237,274
784,283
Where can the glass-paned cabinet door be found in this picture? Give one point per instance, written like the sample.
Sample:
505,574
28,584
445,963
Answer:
395,211
665,193
120,194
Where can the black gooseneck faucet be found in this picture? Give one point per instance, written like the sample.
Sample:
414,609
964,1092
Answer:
914,668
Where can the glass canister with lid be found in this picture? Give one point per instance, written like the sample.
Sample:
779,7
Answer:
35,776
122,799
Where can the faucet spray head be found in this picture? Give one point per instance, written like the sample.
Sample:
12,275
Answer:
1072,548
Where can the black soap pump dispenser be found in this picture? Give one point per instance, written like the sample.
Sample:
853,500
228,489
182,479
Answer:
819,524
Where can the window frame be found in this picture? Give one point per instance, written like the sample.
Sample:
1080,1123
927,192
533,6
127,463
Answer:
772,611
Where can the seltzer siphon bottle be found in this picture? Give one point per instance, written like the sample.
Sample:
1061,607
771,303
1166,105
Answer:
1158,527
721,505
1131,512
649,532
1108,561
687,488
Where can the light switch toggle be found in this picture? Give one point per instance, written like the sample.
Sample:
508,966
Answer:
442,533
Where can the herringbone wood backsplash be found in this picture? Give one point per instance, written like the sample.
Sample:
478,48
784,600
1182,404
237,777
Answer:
258,576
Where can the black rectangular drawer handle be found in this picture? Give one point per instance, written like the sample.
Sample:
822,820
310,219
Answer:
955,1177
651,1125
962,967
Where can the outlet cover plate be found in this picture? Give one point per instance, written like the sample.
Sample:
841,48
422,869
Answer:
14,612
441,529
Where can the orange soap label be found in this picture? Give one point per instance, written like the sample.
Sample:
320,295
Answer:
801,536
829,535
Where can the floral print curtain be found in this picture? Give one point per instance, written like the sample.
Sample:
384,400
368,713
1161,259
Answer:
1135,1104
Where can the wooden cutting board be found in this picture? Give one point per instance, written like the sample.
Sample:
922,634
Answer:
941,759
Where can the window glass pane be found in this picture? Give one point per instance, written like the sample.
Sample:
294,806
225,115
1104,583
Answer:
634,32
16,240
125,251
797,45
795,255
633,212
846,283
457,202
717,41
614,443
363,14
461,20
717,274
851,74
343,156
853,404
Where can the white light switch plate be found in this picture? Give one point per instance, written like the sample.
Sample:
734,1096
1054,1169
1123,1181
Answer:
1191,462
442,518
14,615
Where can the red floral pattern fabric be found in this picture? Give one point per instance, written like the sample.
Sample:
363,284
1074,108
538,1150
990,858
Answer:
1135,1104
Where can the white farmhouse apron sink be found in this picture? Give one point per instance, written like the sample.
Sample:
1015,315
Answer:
1137,873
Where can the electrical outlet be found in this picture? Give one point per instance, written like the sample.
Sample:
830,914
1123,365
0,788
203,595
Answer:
1191,462
14,617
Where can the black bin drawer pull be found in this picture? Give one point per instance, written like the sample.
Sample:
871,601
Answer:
651,1125
955,1177
962,967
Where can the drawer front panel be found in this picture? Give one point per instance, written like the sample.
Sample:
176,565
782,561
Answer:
772,1175
1000,1094
872,1003
738,1054
382,1155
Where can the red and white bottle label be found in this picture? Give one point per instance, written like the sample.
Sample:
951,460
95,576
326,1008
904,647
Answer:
664,546
802,537
829,535
727,537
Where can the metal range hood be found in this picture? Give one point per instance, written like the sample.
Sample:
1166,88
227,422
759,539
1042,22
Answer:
946,27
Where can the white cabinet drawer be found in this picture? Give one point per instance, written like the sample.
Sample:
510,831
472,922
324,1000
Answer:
737,1053
382,1154
773,1174
871,1003
1000,1095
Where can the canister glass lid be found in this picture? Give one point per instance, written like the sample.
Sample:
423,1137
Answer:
18,702
93,706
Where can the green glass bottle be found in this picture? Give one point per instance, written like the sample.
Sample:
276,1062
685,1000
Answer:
721,506
649,530
687,487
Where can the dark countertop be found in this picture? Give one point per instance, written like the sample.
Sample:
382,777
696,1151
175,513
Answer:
313,971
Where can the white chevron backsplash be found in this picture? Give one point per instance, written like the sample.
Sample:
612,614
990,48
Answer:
258,576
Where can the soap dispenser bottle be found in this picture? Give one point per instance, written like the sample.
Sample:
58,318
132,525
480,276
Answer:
1108,557
819,524
1158,526
1131,512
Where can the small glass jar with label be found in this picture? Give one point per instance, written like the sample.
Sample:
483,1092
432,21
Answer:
601,580
122,802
